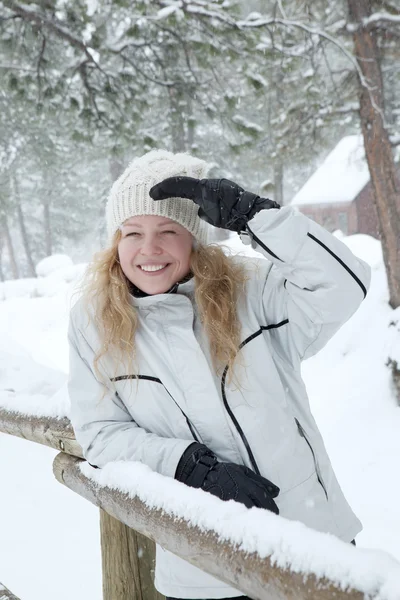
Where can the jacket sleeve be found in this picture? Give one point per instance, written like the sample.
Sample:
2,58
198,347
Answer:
103,425
315,282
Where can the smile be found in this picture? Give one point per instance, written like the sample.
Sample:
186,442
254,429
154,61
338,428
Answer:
153,268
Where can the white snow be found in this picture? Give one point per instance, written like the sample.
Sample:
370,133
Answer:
243,122
340,178
165,12
52,263
352,399
381,16
289,543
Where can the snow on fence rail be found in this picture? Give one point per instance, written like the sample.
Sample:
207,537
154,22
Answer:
5,594
193,525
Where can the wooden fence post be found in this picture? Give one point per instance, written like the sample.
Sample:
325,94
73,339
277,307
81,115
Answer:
128,560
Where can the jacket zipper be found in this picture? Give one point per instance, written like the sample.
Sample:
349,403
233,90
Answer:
235,422
317,469
228,408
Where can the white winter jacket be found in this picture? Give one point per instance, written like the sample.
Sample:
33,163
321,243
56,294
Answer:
295,301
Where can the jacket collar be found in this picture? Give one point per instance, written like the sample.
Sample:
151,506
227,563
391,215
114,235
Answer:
140,298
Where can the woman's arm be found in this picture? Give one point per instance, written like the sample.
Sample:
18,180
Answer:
102,424
316,281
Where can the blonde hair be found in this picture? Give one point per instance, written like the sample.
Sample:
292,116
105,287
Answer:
219,280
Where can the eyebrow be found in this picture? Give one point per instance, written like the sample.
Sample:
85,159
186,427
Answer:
141,226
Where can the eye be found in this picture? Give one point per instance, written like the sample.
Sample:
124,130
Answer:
169,231
132,234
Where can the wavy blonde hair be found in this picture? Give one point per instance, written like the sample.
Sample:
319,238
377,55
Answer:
219,281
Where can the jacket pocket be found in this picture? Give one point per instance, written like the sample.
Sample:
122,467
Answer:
317,469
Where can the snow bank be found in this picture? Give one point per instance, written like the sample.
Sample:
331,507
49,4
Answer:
52,263
55,274
28,387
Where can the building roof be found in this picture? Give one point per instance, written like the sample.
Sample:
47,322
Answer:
340,178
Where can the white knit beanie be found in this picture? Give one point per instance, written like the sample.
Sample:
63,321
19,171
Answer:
129,195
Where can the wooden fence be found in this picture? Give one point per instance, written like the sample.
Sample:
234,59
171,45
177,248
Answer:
129,525
5,594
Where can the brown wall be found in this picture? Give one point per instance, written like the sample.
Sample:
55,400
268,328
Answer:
367,215
341,216
361,213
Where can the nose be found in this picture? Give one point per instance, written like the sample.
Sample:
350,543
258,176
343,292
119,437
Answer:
150,245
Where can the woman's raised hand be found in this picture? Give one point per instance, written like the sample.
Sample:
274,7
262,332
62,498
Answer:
221,202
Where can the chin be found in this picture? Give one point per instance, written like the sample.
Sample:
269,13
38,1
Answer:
154,289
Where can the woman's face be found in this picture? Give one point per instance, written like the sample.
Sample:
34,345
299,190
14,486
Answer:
154,252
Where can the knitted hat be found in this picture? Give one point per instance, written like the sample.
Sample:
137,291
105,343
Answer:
129,196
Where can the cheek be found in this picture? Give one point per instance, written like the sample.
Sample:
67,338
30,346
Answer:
183,251
125,255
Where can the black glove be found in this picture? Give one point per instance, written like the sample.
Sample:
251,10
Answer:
222,203
200,468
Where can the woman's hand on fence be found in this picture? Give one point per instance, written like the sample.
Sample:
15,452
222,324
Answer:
200,468
221,202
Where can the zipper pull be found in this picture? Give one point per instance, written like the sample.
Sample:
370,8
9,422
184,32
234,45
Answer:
299,427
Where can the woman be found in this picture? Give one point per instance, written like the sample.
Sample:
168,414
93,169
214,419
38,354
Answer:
190,359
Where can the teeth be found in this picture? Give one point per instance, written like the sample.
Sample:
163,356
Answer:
152,267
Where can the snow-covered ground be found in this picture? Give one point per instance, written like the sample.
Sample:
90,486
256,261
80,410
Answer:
49,536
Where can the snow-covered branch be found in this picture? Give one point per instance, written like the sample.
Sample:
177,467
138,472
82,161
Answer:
380,17
27,14
313,31
263,22
394,140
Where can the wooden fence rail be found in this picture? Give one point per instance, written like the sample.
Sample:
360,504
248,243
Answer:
122,516
49,431
5,593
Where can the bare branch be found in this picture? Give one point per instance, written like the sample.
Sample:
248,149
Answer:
167,84
89,89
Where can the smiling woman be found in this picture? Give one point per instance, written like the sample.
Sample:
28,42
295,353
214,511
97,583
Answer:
154,252
190,361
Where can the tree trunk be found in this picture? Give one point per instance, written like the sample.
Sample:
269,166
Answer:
176,119
377,146
191,125
10,248
2,277
116,168
24,233
128,562
278,183
47,226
